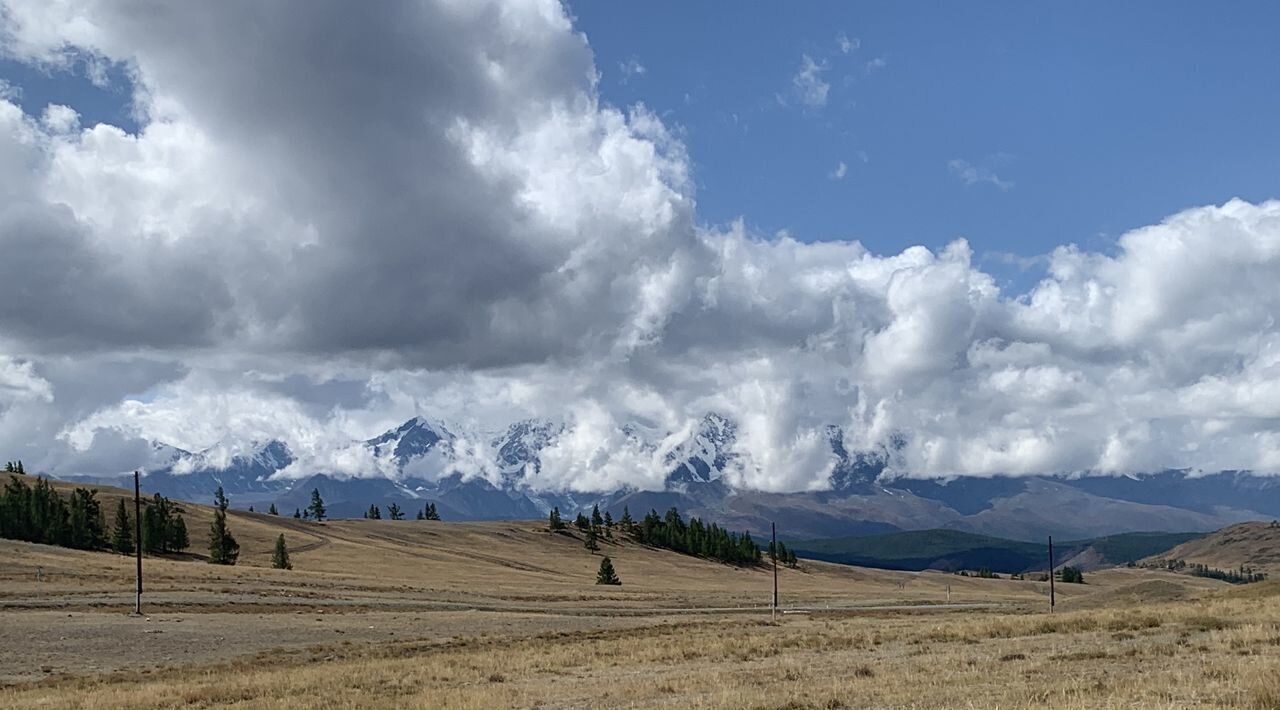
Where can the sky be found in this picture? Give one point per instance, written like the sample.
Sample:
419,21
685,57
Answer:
982,239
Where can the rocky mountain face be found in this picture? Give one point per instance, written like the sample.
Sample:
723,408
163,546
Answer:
424,461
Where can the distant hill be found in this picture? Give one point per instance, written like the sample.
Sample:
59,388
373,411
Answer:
1255,545
954,550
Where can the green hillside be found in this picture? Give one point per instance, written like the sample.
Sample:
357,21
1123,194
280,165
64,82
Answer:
954,550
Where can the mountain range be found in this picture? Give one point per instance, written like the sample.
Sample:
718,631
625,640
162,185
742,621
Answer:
478,477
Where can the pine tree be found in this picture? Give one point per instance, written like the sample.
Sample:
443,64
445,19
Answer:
608,522
581,522
375,513
88,527
394,511
20,469
178,539
554,521
223,548
627,523
280,557
422,515
272,510
431,512
596,520
317,505
607,575
591,543
297,513
122,531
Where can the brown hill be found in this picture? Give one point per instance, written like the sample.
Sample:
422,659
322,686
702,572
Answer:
1255,545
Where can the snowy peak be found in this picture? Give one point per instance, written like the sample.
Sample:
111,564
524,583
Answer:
256,462
516,450
703,457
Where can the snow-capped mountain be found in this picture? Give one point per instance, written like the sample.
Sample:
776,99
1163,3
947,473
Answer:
472,475
704,456
516,450
412,440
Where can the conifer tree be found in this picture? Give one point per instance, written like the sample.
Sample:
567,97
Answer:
317,505
178,539
375,513
272,510
431,512
280,557
394,511
122,530
627,523
606,574
596,520
223,548
20,469
591,543
422,515
297,513
554,521
608,523
87,526
581,522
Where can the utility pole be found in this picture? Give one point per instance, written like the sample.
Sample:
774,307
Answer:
137,546
774,554
1052,596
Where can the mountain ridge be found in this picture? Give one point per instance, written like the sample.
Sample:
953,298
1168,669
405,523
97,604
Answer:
476,476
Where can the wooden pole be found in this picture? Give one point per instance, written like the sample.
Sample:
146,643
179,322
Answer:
774,528
137,542
1052,595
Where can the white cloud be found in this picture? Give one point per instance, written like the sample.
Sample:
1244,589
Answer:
971,174
20,383
840,171
808,83
453,223
846,43
631,68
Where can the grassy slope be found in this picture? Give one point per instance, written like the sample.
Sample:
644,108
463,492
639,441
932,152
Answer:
1254,544
493,564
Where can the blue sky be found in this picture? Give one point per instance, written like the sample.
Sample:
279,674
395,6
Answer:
1095,118
290,231
1017,126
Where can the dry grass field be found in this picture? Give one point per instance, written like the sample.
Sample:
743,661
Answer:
493,615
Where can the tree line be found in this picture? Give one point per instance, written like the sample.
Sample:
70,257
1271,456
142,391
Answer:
37,513
1244,575
694,537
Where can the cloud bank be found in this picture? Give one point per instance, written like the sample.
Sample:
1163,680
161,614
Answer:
346,218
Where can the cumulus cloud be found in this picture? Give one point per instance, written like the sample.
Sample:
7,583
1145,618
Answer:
840,171
846,43
315,241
